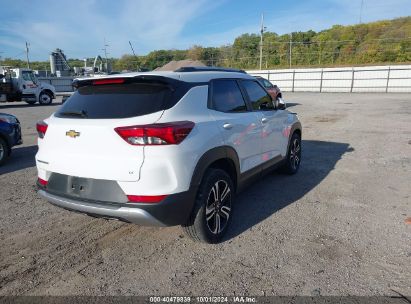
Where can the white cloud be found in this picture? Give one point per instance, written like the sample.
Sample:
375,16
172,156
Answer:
80,29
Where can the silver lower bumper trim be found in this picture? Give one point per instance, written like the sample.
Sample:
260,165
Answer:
128,214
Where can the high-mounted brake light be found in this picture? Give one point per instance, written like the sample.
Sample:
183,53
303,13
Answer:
171,133
41,127
108,81
145,198
42,182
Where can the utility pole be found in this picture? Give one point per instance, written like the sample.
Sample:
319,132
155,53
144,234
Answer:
27,55
263,28
132,48
362,4
319,53
105,53
291,47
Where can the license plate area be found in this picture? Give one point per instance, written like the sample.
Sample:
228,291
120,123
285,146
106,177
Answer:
78,186
87,189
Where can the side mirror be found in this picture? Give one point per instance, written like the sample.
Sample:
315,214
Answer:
280,104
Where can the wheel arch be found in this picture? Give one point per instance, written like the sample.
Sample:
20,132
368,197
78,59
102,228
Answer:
224,158
296,128
48,91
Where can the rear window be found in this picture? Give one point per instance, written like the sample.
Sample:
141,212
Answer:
116,101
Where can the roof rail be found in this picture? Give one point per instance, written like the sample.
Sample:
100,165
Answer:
208,69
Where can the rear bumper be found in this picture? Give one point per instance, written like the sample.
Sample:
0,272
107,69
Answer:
131,215
173,210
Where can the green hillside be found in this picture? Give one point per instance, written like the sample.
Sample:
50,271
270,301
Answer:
381,42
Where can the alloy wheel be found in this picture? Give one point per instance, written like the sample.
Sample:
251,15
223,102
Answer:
218,207
295,153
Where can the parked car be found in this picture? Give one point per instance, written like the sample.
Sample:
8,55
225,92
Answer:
273,89
10,135
164,148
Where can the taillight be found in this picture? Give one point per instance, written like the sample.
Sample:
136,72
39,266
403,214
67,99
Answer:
42,182
145,198
41,127
108,81
171,133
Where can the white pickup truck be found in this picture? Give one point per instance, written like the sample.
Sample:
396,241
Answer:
22,85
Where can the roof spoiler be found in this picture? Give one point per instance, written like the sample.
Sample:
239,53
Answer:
152,79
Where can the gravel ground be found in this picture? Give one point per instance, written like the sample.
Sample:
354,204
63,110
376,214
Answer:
338,227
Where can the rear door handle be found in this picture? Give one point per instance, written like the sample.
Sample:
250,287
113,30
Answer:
227,126
264,120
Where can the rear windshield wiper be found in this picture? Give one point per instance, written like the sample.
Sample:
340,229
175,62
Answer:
81,113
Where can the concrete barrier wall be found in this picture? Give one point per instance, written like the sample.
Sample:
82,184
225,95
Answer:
350,79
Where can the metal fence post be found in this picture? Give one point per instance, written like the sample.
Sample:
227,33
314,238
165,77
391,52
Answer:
321,81
268,75
293,80
352,80
388,79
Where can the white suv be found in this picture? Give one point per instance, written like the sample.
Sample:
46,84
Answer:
164,148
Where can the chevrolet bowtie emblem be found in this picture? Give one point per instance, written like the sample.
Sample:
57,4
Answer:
72,134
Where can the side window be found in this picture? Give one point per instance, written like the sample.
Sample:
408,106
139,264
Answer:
227,97
28,76
260,100
267,84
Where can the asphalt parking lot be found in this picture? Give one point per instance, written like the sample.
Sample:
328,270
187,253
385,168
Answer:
338,227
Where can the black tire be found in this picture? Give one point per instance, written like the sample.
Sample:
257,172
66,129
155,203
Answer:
293,159
207,212
4,151
45,98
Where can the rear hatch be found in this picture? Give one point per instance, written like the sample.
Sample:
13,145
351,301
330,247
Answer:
81,139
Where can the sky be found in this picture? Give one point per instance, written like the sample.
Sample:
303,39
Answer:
81,28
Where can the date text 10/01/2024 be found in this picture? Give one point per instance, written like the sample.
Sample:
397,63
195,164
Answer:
201,299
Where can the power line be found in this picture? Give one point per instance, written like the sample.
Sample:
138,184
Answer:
132,48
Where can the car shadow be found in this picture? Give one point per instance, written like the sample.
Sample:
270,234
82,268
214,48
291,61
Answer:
292,104
275,191
20,158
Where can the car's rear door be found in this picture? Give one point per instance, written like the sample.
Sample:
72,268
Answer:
239,126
